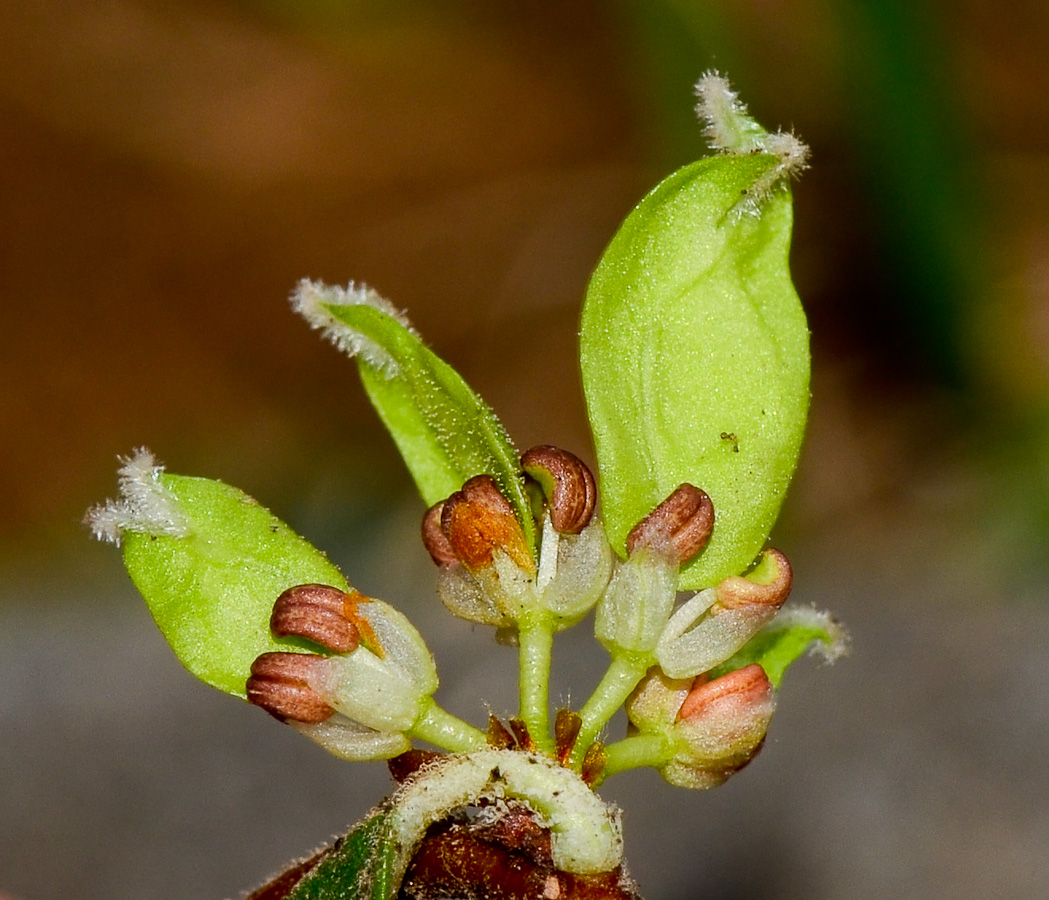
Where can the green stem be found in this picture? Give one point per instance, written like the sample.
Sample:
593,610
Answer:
440,728
640,750
536,637
622,676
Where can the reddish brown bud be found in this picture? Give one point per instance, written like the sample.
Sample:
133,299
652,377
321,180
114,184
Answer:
435,540
768,584
681,524
740,690
319,613
279,683
567,484
478,521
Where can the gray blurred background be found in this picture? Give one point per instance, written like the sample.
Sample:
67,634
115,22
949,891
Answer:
170,168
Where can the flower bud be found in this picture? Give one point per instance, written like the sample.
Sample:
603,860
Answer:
654,704
681,525
320,613
463,596
280,684
382,687
567,484
721,726
350,740
706,630
479,522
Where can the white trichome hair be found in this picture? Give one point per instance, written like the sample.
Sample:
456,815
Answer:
144,506
831,649
311,300
729,129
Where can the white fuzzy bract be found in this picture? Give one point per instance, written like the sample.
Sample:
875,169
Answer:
144,506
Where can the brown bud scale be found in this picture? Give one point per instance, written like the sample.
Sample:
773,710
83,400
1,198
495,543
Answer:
567,483
593,762
499,737
404,766
521,735
566,729
279,684
681,524
320,613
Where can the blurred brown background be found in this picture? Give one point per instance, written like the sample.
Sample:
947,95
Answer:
170,168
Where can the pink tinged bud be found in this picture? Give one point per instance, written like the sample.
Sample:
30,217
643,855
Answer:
567,484
681,525
737,691
279,683
320,613
721,727
711,626
480,522
767,586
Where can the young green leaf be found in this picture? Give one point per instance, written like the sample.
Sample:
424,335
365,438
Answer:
210,562
694,353
443,429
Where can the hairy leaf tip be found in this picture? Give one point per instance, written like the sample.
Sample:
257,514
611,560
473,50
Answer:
144,504
312,300
834,641
730,129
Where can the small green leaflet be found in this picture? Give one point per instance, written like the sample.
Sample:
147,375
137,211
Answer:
694,354
444,431
212,591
